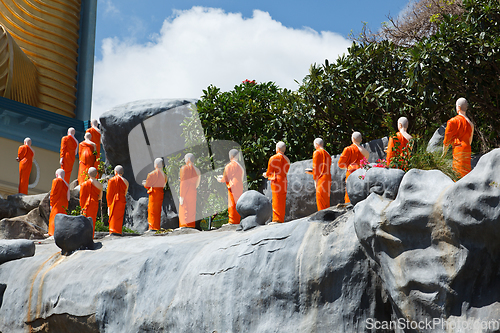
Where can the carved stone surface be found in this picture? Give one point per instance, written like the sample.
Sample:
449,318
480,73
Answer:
297,276
436,245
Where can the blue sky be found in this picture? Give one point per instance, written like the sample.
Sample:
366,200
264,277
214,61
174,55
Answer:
175,49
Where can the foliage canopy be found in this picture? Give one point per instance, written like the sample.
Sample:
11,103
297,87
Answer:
368,89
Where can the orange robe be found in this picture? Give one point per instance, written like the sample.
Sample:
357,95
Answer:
187,211
277,169
89,200
322,163
115,196
68,153
351,158
459,133
391,152
155,182
58,201
25,155
87,160
96,138
233,177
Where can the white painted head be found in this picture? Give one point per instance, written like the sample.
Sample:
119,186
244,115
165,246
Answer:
462,104
357,138
158,163
318,143
119,170
280,146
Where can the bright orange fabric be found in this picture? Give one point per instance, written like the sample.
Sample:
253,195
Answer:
458,133
89,200
58,201
277,169
322,163
391,153
187,211
96,138
68,153
25,155
233,177
156,178
116,198
351,159
155,182
87,160
154,207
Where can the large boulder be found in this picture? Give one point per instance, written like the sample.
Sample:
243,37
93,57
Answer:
15,249
436,245
117,125
254,209
382,181
301,193
294,277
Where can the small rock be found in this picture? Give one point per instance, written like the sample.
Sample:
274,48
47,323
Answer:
254,208
73,232
16,249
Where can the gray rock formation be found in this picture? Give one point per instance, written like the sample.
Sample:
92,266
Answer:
436,244
301,194
15,249
29,226
294,277
254,209
29,215
116,127
435,144
382,181
73,232
431,255
19,204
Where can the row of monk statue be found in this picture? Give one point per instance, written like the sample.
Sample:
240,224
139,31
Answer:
459,133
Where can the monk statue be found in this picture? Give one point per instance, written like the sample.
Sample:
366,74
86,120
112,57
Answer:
69,149
351,157
25,156
87,157
322,176
154,183
233,177
190,180
59,198
397,144
277,169
116,199
459,133
96,138
90,196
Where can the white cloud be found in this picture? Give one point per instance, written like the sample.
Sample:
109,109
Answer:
110,8
204,46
